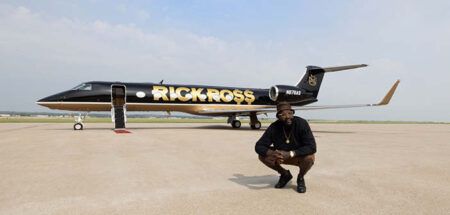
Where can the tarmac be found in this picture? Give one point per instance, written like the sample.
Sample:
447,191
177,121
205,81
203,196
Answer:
213,169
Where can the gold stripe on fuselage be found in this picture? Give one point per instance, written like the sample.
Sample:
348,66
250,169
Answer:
198,109
78,106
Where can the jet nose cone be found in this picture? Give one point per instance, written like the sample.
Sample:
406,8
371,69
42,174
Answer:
50,99
47,99
43,101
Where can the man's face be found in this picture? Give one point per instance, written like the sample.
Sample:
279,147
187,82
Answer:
286,116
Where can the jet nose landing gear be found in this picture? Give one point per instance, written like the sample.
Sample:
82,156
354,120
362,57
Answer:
79,121
78,126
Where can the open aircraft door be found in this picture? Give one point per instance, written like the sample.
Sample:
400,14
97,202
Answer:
119,107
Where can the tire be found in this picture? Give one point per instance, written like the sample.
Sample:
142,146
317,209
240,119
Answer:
78,126
236,124
257,125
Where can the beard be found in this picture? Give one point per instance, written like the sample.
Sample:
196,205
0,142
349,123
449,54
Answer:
288,122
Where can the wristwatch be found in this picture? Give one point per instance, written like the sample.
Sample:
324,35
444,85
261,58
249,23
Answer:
292,154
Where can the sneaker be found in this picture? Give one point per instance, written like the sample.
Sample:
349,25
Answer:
284,179
301,187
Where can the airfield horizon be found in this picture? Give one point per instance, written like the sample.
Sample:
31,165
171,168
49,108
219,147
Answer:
222,120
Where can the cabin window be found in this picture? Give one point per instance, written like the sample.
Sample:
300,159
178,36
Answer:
83,87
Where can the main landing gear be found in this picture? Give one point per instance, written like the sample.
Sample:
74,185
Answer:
236,123
254,122
257,125
79,121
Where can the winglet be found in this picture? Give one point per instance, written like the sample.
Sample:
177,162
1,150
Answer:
389,95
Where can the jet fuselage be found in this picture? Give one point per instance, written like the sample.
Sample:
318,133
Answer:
96,96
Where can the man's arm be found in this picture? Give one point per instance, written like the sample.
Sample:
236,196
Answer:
263,144
307,139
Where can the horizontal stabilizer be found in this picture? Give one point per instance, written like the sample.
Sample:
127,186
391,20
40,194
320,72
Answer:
339,68
312,79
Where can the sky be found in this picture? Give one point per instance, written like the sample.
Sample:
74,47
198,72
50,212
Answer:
50,46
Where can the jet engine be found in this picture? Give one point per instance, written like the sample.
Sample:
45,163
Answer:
285,93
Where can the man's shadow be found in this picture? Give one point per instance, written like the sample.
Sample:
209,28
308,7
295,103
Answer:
255,182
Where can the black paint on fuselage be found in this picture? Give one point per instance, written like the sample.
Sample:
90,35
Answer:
101,92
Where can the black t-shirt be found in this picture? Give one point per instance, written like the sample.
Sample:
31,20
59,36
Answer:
301,139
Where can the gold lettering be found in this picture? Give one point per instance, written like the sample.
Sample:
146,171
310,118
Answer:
160,92
213,94
197,94
181,97
226,95
249,96
172,94
238,97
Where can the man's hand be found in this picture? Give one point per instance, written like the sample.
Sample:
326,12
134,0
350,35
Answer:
277,156
274,157
282,156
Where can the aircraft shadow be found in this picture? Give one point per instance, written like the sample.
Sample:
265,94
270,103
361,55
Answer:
255,182
227,127
212,127
334,132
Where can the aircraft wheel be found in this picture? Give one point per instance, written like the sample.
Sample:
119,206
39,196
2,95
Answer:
236,124
257,125
78,126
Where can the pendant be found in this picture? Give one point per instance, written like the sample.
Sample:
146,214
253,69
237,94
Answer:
287,140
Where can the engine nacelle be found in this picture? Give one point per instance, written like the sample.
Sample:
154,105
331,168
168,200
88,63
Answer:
285,93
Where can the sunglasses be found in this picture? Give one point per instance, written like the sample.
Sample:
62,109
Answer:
285,114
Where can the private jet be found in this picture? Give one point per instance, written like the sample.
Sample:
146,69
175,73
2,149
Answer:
230,102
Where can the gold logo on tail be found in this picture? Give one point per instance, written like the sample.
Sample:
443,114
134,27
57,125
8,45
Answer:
312,80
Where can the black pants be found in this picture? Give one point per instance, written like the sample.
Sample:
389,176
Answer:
304,163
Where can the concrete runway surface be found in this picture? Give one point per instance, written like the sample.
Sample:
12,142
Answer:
213,169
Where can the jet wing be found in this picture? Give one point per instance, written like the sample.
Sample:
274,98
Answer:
218,112
386,99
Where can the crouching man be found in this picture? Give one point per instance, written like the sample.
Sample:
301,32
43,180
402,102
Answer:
288,140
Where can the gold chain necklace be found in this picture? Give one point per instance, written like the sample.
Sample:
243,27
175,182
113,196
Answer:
286,136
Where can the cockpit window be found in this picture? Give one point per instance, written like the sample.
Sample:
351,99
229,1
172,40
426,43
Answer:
83,87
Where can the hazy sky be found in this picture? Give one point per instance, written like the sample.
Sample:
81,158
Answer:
50,46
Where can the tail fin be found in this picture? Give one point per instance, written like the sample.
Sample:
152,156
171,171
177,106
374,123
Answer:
312,79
